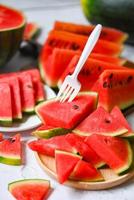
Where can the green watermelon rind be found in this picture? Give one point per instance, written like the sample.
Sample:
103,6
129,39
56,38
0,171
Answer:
50,132
127,165
10,160
5,121
95,94
128,135
117,133
12,185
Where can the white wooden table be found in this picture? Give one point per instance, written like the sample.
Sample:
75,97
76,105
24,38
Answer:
45,12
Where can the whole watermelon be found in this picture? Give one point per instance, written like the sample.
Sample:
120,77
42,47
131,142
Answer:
113,13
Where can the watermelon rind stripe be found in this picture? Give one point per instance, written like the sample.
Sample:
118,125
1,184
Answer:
14,184
50,132
127,165
10,160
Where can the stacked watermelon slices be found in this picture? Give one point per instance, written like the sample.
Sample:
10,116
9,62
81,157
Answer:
104,72
95,138
19,92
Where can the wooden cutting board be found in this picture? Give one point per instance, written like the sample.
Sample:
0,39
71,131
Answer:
111,179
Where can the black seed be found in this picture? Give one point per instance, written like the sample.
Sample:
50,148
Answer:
111,76
75,107
129,79
107,121
11,140
99,68
105,84
74,46
29,86
52,43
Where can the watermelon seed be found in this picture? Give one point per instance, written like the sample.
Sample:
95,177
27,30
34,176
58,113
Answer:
111,76
29,86
75,107
107,121
129,79
52,43
12,140
99,68
105,85
74,46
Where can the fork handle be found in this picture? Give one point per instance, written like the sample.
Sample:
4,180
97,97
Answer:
92,40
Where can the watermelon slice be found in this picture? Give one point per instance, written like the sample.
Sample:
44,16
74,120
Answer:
115,151
45,131
100,122
15,95
11,32
10,151
69,113
118,115
1,137
107,33
65,163
90,72
84,171
48,146
87,153
34,189
31,31
37,84
6,105
115,88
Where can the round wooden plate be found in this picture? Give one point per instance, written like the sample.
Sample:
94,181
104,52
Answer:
111,179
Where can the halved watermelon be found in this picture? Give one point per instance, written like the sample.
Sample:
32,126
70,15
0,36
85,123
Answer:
31,31
15,95
107,33
118,115
65,163
84,171
46,131
34,189
11,32
10,151
5,105
87,153
89,73
115,151
48,146
39,92
115,87
69,113
100,122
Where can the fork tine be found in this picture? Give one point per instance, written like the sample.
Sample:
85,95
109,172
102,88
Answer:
65,93
63,87
73,95
68,94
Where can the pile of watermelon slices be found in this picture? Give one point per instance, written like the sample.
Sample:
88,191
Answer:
19,92
93,135
104,72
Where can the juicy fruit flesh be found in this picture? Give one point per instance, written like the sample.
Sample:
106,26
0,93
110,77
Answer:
6,14
115,151
35,189
69,113
100,122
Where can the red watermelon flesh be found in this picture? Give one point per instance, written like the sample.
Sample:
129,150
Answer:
6,15
1,136
115,87
15,95
11,151
6,105
69,113
118,115
84,150
29,189
90,72
100,122
48,146
30,31
107,33
37,84
27,92
84,171
65,163
115,151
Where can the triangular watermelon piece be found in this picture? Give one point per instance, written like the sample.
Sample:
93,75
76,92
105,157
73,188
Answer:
34,189
118,115
115,151
69,113
84,171
100,122
65,163
87,153
5,105
11,151
48,146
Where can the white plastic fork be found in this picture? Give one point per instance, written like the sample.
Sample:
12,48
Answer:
71,86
